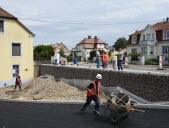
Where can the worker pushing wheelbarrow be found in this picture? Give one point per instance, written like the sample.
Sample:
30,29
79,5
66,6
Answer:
118,104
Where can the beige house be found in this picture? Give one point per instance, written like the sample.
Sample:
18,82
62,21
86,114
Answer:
151,42
16,52
62,46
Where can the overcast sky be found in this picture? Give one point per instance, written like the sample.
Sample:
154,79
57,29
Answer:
107,19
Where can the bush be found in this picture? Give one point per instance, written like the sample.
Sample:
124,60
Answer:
135,56
151,62
69,58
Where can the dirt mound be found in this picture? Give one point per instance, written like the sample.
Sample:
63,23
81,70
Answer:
50,89
46,88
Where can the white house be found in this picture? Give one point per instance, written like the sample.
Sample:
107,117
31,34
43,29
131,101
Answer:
152,41
89,44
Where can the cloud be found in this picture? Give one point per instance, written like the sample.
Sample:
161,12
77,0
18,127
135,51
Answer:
88,12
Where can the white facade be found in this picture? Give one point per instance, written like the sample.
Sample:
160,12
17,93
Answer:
100,46
148,45
149,51
86,51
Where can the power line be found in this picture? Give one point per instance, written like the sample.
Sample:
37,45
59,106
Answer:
81,23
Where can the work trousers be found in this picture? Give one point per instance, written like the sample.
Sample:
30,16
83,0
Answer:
104,64
114,63
119,64
98,62
17,85
89,100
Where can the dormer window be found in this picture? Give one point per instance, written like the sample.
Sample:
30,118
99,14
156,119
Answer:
153,36
148,37
134,39
1,26
144,37
166,34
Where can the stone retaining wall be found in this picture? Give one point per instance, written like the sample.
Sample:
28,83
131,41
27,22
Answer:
152,87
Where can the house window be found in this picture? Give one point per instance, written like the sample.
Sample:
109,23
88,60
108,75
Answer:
16,49
134,50
165,49
134,39
151,50
144,50
144,37
148,37
1,26
166,35
15,70
153,36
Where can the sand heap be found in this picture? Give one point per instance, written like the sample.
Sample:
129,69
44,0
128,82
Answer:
47,89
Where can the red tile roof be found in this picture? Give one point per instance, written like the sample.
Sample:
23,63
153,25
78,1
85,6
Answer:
158,26
137,32
5,14
161,26
61,45
91,41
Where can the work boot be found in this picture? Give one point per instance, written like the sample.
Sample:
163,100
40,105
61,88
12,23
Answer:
82,109
96,112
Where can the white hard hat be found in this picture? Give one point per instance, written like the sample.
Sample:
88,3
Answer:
99,76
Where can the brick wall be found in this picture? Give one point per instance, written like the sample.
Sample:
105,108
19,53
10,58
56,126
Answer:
151,87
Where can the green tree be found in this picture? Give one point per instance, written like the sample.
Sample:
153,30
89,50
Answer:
43,51
62,53
120,43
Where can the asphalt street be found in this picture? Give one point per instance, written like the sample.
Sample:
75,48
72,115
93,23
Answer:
64,115
131,68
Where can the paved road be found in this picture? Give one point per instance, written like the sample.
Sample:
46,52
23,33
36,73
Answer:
60,115
132,68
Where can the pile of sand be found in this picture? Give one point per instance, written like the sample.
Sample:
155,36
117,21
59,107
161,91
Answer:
45,88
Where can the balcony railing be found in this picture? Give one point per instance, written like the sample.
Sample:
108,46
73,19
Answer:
147,42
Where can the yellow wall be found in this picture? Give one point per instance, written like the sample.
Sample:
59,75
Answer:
15,33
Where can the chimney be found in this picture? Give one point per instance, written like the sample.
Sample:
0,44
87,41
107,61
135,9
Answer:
167,19
89,37
95,37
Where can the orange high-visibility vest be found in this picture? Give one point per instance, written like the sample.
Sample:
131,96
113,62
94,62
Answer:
18,80
105,57
91,92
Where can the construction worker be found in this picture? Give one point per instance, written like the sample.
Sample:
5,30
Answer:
120,59
98,58
105,59
93,91
18,82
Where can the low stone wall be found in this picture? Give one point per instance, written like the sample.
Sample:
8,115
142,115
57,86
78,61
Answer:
152,87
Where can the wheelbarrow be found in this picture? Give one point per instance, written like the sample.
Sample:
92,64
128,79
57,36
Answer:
119,106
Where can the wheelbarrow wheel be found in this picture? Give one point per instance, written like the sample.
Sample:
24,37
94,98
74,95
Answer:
114,119
125,115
